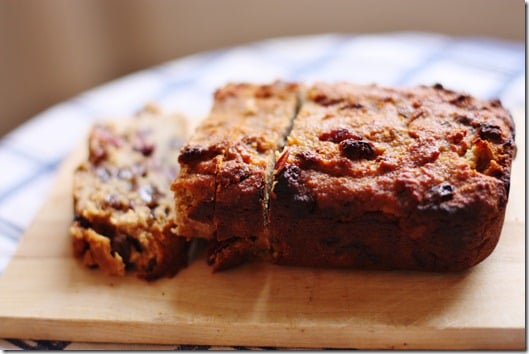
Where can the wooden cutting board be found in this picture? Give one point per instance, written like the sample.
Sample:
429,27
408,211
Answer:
46,294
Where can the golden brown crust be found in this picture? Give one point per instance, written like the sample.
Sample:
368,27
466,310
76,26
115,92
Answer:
377,177
124,211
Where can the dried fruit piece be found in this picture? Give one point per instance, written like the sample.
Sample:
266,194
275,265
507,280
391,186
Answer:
357,149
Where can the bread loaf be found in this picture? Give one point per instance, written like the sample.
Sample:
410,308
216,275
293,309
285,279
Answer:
368,177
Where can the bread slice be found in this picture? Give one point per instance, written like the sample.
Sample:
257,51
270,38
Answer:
391,178
123,206
222,191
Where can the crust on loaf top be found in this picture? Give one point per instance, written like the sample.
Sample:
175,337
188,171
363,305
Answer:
393,150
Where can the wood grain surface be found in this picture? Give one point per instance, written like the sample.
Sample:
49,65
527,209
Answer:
46,294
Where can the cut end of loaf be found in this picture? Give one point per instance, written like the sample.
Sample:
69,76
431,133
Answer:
124,210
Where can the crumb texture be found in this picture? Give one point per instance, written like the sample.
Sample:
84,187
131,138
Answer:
124,209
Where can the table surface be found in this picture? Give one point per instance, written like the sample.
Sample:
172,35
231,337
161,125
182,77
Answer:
30,155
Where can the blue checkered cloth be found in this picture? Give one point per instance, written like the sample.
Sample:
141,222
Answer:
30,155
